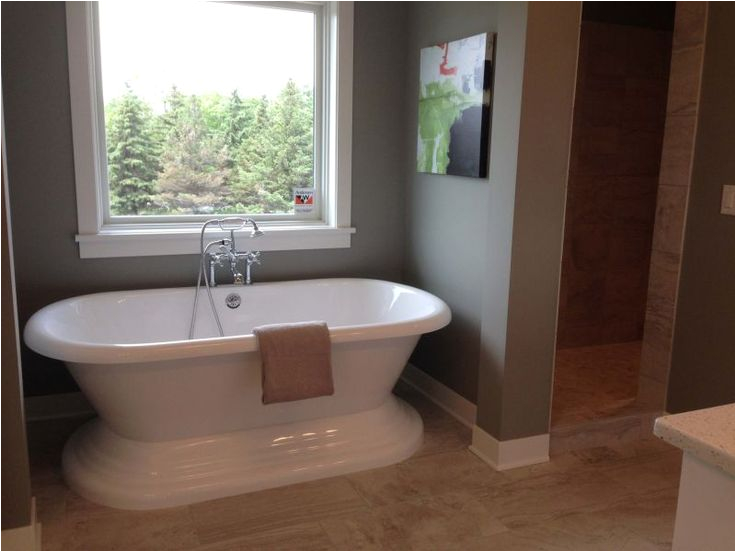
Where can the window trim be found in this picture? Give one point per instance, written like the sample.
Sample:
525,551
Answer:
99,238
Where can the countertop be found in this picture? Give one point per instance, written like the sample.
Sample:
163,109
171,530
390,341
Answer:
707,434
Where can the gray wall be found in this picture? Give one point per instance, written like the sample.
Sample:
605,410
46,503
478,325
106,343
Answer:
16,482
41,173
526,216
446,215
702,370
491,247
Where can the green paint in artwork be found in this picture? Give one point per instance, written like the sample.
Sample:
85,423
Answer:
440,105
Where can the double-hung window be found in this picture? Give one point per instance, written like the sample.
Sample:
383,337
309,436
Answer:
198,110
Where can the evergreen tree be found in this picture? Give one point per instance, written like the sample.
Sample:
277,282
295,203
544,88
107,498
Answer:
251,161
241,116
215,112
132,154
211,153
277,156
175,109
292,151
194,162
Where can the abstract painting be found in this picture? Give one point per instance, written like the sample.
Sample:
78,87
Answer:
454,106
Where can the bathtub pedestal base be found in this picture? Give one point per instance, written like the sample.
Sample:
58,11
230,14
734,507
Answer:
111,470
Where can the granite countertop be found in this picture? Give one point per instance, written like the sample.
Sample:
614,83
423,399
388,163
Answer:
707,434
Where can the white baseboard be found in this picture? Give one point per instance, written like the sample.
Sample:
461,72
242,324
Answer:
24,538
62,405
514,453
448,400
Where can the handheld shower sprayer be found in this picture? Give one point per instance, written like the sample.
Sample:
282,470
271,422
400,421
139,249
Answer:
232,224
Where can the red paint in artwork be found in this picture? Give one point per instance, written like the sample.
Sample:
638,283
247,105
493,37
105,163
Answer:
444,69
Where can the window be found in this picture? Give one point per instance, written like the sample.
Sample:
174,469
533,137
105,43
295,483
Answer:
213,109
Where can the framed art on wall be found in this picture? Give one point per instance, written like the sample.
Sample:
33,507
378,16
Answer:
455,81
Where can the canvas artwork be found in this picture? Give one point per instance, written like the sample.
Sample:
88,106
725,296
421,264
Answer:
454,107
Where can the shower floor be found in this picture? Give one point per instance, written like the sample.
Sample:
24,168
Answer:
595,382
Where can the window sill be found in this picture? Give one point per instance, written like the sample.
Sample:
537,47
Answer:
142,242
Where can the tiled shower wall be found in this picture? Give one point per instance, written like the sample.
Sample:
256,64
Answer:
674,186
618,130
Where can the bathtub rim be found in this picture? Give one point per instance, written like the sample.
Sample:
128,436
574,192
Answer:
40,340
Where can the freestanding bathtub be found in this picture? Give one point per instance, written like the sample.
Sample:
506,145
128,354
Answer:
181,421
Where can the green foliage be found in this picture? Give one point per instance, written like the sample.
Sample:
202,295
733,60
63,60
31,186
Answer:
194,162
132,154
210,153
277,156
439,107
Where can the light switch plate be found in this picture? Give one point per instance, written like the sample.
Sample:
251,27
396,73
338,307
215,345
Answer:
727,200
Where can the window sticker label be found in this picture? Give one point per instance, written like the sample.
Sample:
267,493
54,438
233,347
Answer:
303,200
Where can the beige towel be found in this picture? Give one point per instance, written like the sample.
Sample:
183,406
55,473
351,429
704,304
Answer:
296,361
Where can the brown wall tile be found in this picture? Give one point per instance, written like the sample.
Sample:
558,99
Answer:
604,47
685,80
591,198
645,101
660,311
585,293
600,101
677,150
651,395
689,24
670,219
663,274
640,152
656,345
630,246
635,200
672,198
618,125
590,246
647,52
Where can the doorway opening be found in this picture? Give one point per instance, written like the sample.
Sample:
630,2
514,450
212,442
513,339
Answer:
618,129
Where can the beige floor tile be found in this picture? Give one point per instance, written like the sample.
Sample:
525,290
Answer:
368,530
458,471
597,432
621,496
594,382
516,539
651,516
169,529
647,446
52,535
421,524
574,531
650,474
620,454
442,433
539,499
586,531
238,516
51,502
557,463
303,536
436,522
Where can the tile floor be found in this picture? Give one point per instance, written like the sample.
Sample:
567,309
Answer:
619,497
595,382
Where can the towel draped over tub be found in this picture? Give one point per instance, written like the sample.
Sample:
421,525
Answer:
296,361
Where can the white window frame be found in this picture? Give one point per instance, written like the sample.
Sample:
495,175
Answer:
98,237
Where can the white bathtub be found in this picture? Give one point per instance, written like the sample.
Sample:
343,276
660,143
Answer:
182,421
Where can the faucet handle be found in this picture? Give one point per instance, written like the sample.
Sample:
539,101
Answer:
216,258
254,257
